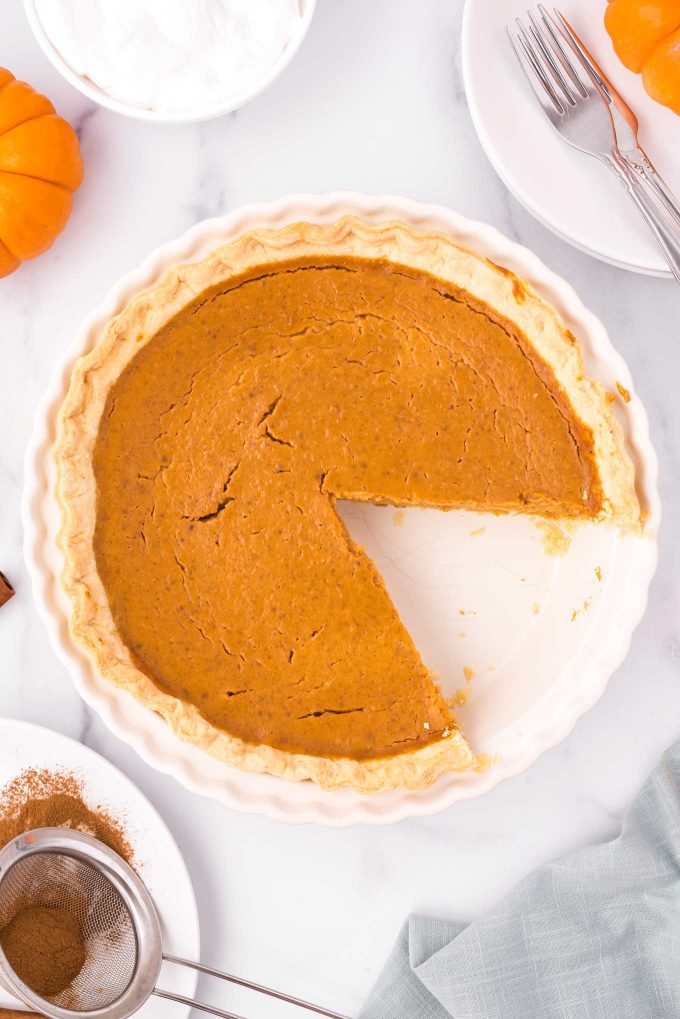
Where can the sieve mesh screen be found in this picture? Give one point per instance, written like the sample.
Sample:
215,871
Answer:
58,880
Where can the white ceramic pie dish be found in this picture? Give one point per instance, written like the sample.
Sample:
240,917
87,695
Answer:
541,633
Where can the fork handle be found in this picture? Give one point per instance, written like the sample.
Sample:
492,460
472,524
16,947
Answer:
667,236
643,166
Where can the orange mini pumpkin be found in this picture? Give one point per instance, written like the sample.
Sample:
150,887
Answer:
40,168
646,38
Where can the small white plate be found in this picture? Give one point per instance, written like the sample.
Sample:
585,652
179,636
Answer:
571,193
157,858
542,634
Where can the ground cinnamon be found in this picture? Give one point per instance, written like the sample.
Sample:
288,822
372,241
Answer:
44,946
38,798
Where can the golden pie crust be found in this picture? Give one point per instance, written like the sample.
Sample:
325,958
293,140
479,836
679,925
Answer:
81,420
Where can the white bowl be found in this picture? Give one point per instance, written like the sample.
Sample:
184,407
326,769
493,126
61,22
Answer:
543,634
92,91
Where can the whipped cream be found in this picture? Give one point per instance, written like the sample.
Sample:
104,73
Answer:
171,56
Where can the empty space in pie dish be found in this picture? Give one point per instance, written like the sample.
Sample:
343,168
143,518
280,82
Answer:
499,607
527,624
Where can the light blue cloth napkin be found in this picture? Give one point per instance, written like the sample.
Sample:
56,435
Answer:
594,936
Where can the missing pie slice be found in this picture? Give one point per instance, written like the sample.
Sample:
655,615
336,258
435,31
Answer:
205,440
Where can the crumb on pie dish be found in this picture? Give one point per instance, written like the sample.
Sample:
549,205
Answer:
204,443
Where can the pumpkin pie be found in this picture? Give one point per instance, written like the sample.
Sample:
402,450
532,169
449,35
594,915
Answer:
203,445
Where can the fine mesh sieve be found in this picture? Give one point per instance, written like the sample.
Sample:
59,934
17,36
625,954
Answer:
64,882
56,867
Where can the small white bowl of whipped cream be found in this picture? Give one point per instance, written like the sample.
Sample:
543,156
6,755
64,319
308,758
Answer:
172,61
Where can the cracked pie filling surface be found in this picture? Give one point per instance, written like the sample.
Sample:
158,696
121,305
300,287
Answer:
206,439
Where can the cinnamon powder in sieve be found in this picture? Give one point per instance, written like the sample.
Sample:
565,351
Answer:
38,798
44,946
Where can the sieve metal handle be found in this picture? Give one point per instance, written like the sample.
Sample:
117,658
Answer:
241,983
201,1006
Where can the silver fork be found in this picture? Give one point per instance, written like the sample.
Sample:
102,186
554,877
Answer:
577,109
624,119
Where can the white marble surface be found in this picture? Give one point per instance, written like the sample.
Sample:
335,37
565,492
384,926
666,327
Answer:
373,102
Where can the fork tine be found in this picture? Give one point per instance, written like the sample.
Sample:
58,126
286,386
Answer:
532,61
549,58
578,112
539,84
581,55
558,43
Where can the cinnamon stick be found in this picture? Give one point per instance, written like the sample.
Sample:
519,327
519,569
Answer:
6,592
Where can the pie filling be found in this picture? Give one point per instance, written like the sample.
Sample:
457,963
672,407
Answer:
224,445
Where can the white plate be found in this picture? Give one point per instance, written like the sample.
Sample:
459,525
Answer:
572,194
547,669
157,857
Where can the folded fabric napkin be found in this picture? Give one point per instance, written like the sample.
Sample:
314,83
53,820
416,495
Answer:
593,936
